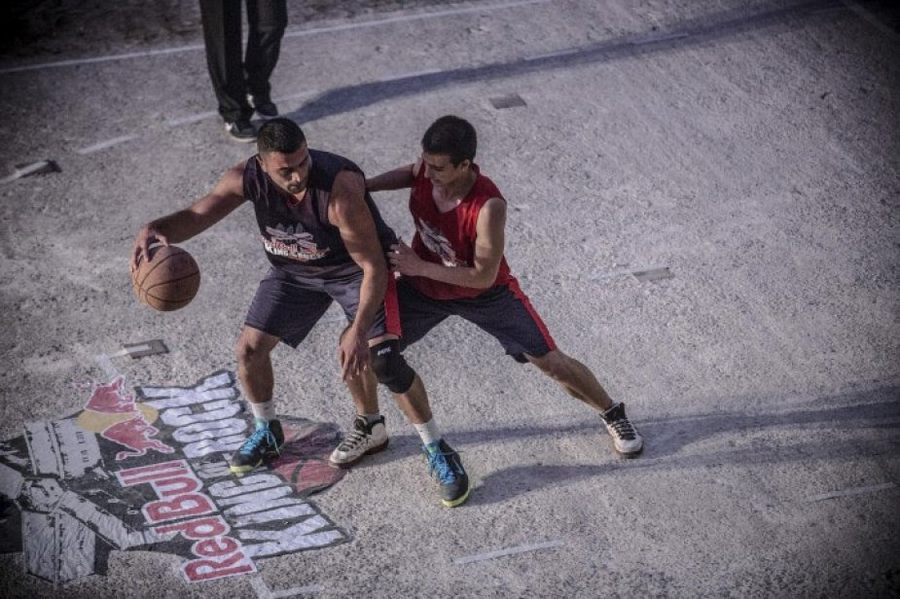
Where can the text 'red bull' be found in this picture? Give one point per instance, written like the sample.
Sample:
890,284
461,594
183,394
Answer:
178,490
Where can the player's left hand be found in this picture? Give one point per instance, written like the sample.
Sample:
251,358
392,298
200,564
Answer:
405,260
353,351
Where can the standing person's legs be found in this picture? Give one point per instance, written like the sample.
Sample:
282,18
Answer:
266,22
224,52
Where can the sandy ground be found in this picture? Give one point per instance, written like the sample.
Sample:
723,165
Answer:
749,147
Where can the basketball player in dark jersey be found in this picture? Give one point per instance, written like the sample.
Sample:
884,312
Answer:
326,242
456,266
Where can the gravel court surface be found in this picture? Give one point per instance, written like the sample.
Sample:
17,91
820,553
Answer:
754,155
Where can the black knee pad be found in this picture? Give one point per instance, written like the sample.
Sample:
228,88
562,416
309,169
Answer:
390,366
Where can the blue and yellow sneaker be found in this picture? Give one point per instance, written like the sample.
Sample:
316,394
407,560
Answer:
446,468
264,444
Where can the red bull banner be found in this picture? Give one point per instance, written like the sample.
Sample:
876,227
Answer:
146,469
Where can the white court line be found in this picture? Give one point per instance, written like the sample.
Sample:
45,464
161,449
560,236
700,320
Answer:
418,17
191,118
599,276
553,54
502,552
853,491
105,144
299,33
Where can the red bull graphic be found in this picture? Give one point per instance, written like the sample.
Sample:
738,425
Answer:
135,433
125,423
69,500
109,399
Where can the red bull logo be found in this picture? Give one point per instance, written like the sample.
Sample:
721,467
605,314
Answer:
113,413
67,485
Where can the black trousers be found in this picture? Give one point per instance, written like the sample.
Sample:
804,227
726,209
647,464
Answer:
232,73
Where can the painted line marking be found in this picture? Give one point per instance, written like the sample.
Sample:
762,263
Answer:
299,33
553,54
608,275
264,592
852,491
105,144
40,167
503,552
418,17
653,274
191,118
643,275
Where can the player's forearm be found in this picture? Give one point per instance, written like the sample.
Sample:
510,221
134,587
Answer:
371,296
473,277
396,179
179,226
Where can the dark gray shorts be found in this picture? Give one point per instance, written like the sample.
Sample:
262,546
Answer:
504,312
287,306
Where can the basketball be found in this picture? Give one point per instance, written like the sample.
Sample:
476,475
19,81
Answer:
170,279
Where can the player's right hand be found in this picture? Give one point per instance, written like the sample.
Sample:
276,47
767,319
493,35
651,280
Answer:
145,238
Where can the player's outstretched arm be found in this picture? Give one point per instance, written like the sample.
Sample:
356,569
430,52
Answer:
489,244
348,211
399,178
180,226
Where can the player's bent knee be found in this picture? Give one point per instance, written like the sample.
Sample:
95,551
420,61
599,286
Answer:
247,353
390,366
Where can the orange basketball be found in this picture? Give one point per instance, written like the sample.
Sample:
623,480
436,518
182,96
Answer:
168,281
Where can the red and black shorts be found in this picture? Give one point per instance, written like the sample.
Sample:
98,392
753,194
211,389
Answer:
504,312
287,305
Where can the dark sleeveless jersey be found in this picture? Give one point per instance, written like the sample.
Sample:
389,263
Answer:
297,235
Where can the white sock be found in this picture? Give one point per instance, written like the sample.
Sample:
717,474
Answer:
264,410
428,432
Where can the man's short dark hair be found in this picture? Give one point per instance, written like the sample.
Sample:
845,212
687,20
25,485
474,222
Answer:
279,135
452,136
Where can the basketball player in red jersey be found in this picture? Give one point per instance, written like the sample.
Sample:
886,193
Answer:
456,267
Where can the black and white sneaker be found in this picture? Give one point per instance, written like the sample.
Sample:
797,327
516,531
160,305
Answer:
626,440
362,440
241,130
264,107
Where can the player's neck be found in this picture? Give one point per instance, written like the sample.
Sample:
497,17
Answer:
461,187
297,198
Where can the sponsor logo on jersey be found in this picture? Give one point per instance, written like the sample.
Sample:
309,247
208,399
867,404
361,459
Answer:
291,241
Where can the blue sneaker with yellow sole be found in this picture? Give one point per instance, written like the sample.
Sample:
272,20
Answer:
264,444
446,468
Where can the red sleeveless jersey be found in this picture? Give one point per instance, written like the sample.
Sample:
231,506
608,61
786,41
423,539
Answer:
448,238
